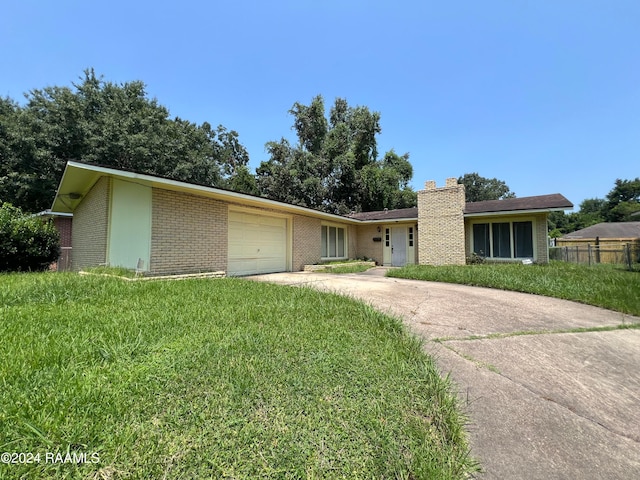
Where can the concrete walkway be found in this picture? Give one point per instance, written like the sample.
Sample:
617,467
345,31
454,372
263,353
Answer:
542,405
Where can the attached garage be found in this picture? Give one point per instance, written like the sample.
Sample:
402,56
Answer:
257,243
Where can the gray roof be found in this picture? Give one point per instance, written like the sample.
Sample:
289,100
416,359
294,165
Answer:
607,230
387,214
554,201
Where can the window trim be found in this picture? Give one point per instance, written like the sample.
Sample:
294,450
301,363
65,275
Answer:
512,244
345,241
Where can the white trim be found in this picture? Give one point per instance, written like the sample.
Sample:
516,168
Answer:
512,248
208,191
388,221
346,240
514,212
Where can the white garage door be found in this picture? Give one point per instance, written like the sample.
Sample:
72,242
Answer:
257,244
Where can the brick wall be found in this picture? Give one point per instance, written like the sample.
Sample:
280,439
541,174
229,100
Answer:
441,236
366,247
307,240
188,233
89,233
64,228
63,225
541,237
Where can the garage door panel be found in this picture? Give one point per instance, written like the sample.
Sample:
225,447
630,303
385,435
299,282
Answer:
257,244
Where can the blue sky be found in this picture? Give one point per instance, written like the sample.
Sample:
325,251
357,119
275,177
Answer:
544,95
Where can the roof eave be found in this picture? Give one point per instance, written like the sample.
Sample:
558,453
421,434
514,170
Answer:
79,178
391,220
515,212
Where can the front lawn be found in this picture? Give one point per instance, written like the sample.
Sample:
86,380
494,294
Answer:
608,286
215,379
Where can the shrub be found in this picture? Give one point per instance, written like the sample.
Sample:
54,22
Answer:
475,259
27,243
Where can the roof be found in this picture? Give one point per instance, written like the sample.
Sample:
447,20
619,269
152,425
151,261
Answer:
548,203
607,230
78,179
49,214
398,214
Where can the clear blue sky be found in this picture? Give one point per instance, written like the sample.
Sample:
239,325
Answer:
544,95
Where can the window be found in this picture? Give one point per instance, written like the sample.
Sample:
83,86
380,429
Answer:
386,237
333,242
411,236
503,239
523,239
481,244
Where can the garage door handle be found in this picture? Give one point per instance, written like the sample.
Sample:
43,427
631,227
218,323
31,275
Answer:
391,248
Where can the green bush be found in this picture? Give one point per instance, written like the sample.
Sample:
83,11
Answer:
26,242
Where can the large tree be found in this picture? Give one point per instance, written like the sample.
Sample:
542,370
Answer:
109,124
334,167
622,201
478,189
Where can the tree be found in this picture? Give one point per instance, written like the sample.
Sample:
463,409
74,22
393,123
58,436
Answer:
478,189
622,201
334,166
589,214
26,242
108,124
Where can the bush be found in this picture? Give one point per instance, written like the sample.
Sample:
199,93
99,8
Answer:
475,259
26,242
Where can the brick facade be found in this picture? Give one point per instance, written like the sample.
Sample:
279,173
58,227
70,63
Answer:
366,247
441,235
541,237
64,227
307,241
90,227
188,233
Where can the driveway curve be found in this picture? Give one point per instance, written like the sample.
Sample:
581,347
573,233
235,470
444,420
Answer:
547,397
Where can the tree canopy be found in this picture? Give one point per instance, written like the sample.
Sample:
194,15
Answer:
620,203
108,124
334,167
479,189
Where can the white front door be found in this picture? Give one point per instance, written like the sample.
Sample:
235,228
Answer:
398,246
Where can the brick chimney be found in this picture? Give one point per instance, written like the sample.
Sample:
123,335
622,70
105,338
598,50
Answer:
441,224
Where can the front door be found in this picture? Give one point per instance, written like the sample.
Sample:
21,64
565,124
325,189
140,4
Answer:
398,246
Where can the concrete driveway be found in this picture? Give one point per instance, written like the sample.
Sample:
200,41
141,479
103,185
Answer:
543,403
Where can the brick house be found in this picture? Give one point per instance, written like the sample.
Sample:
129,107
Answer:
164,226
63,223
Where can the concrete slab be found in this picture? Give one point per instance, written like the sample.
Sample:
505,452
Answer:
543,405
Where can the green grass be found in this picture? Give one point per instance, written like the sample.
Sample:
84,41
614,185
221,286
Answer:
115,271
340,262
605,286
217,379
346,269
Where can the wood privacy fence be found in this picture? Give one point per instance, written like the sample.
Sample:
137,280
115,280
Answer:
627,254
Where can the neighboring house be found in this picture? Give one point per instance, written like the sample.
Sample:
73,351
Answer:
164,226
610,238
63,223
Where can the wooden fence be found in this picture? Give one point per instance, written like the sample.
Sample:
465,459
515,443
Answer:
627,254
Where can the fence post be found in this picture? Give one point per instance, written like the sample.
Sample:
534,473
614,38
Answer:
589,253
597,249
627,250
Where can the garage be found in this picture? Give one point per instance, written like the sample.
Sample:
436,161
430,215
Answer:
257,243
